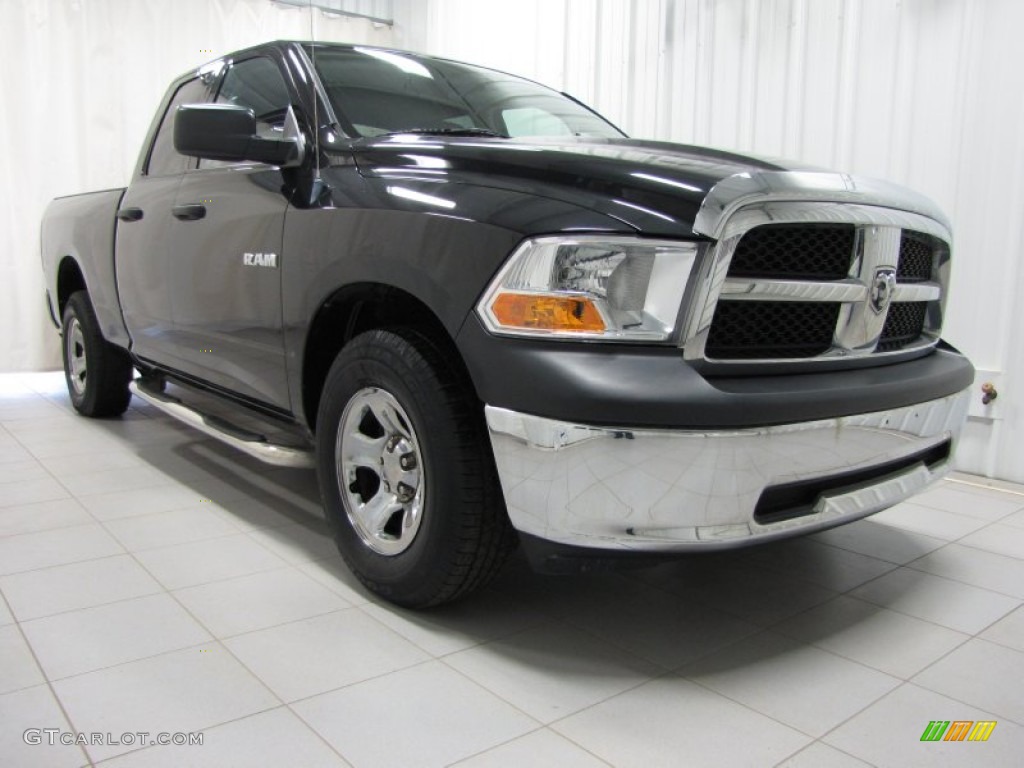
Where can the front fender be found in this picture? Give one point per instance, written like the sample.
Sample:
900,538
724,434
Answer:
440,242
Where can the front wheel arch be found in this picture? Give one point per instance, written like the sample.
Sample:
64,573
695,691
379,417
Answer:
350,311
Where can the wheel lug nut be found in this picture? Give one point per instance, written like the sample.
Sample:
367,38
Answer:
407,461
405,492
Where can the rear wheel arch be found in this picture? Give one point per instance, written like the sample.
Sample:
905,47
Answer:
70,280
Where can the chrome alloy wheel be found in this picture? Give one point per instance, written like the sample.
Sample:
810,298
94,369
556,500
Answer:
74,341
380,471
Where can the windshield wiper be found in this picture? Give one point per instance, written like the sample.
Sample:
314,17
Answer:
449,132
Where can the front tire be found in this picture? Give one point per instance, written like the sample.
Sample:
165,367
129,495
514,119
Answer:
406,472
97,372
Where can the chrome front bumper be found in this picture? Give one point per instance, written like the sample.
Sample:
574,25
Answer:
673,490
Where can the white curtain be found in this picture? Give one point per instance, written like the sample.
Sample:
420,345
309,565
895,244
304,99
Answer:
79,82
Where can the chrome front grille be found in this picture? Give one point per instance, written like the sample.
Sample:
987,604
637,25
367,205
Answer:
771,330
903,325
797,282
917,257
795,251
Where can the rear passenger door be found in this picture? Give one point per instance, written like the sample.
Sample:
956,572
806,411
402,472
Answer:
225,235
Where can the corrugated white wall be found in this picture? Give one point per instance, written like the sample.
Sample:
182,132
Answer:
929,93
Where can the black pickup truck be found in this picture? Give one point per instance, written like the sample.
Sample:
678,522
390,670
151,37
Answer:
487,317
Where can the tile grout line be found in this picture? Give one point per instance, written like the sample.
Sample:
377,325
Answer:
444,660
910,564
173,597
790,725
547,725
806,747
289,705
723,609
960,581
541,729
985,527
67,611
286,704
914,682
140,749
219,642
986,487
960,644
1001,716
170,593
678,675
653,587
61,527
904,613
839,725
46,679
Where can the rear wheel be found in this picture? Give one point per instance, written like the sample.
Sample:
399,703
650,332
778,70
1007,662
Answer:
406,473
96,371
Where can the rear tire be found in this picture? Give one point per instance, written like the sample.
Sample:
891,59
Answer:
97,372
406,471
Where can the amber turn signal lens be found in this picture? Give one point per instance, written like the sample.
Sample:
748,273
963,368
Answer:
547,313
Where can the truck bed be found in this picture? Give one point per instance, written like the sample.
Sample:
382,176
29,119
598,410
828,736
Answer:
83,227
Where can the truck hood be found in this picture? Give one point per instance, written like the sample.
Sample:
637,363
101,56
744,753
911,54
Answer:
655,188
652,187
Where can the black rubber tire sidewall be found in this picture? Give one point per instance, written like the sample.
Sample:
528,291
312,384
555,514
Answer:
458,471
109,368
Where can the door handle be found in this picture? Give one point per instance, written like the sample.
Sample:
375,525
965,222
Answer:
190,212
129,214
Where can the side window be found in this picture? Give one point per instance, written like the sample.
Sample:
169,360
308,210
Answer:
163,160
258,85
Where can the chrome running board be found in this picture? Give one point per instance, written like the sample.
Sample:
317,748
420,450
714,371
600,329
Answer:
252,443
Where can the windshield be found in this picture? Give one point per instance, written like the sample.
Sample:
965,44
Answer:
377,92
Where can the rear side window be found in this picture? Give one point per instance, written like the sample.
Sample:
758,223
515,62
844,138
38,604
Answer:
163,159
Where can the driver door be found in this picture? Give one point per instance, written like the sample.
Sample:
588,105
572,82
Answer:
226,236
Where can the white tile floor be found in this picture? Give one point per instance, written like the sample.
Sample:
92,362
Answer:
154,580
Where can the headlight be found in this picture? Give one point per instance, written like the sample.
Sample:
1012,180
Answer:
590,287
